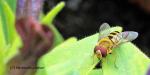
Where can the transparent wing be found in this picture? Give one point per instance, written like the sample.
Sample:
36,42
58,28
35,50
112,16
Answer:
104,30
127,36
104,26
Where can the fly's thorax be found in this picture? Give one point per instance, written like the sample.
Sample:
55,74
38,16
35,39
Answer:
106,42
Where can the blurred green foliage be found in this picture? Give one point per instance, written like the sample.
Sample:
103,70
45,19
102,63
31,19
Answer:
10,41
47,20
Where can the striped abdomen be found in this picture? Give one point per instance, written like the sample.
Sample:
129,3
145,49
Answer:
113,36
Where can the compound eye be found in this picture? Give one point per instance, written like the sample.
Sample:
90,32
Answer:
97,48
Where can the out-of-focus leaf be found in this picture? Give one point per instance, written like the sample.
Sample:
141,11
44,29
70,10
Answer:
2,36
13,40
57,36
52,14
2,64
8,18
2,46
12,4
47,20
13,49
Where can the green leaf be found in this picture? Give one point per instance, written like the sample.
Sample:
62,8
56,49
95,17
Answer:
96,72
7,34
2,39
9,30
47,20
2,49
9,19
69,58
55,68
78,56
2,64
52,14
57,36
12,4
13,49
126,59
2,46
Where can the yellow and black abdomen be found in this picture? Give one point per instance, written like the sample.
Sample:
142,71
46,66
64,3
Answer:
113,36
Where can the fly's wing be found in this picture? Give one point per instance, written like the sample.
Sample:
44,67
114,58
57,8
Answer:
127,36
104,30
104,26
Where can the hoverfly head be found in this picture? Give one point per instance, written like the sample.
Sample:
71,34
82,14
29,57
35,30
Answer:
100,51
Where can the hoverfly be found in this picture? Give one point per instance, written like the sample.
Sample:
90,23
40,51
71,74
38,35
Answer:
109,40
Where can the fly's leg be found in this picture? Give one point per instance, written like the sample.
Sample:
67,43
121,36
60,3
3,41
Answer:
115,61
93,57
109,51
102,71
102,66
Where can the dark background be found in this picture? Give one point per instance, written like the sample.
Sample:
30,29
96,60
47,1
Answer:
81,18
